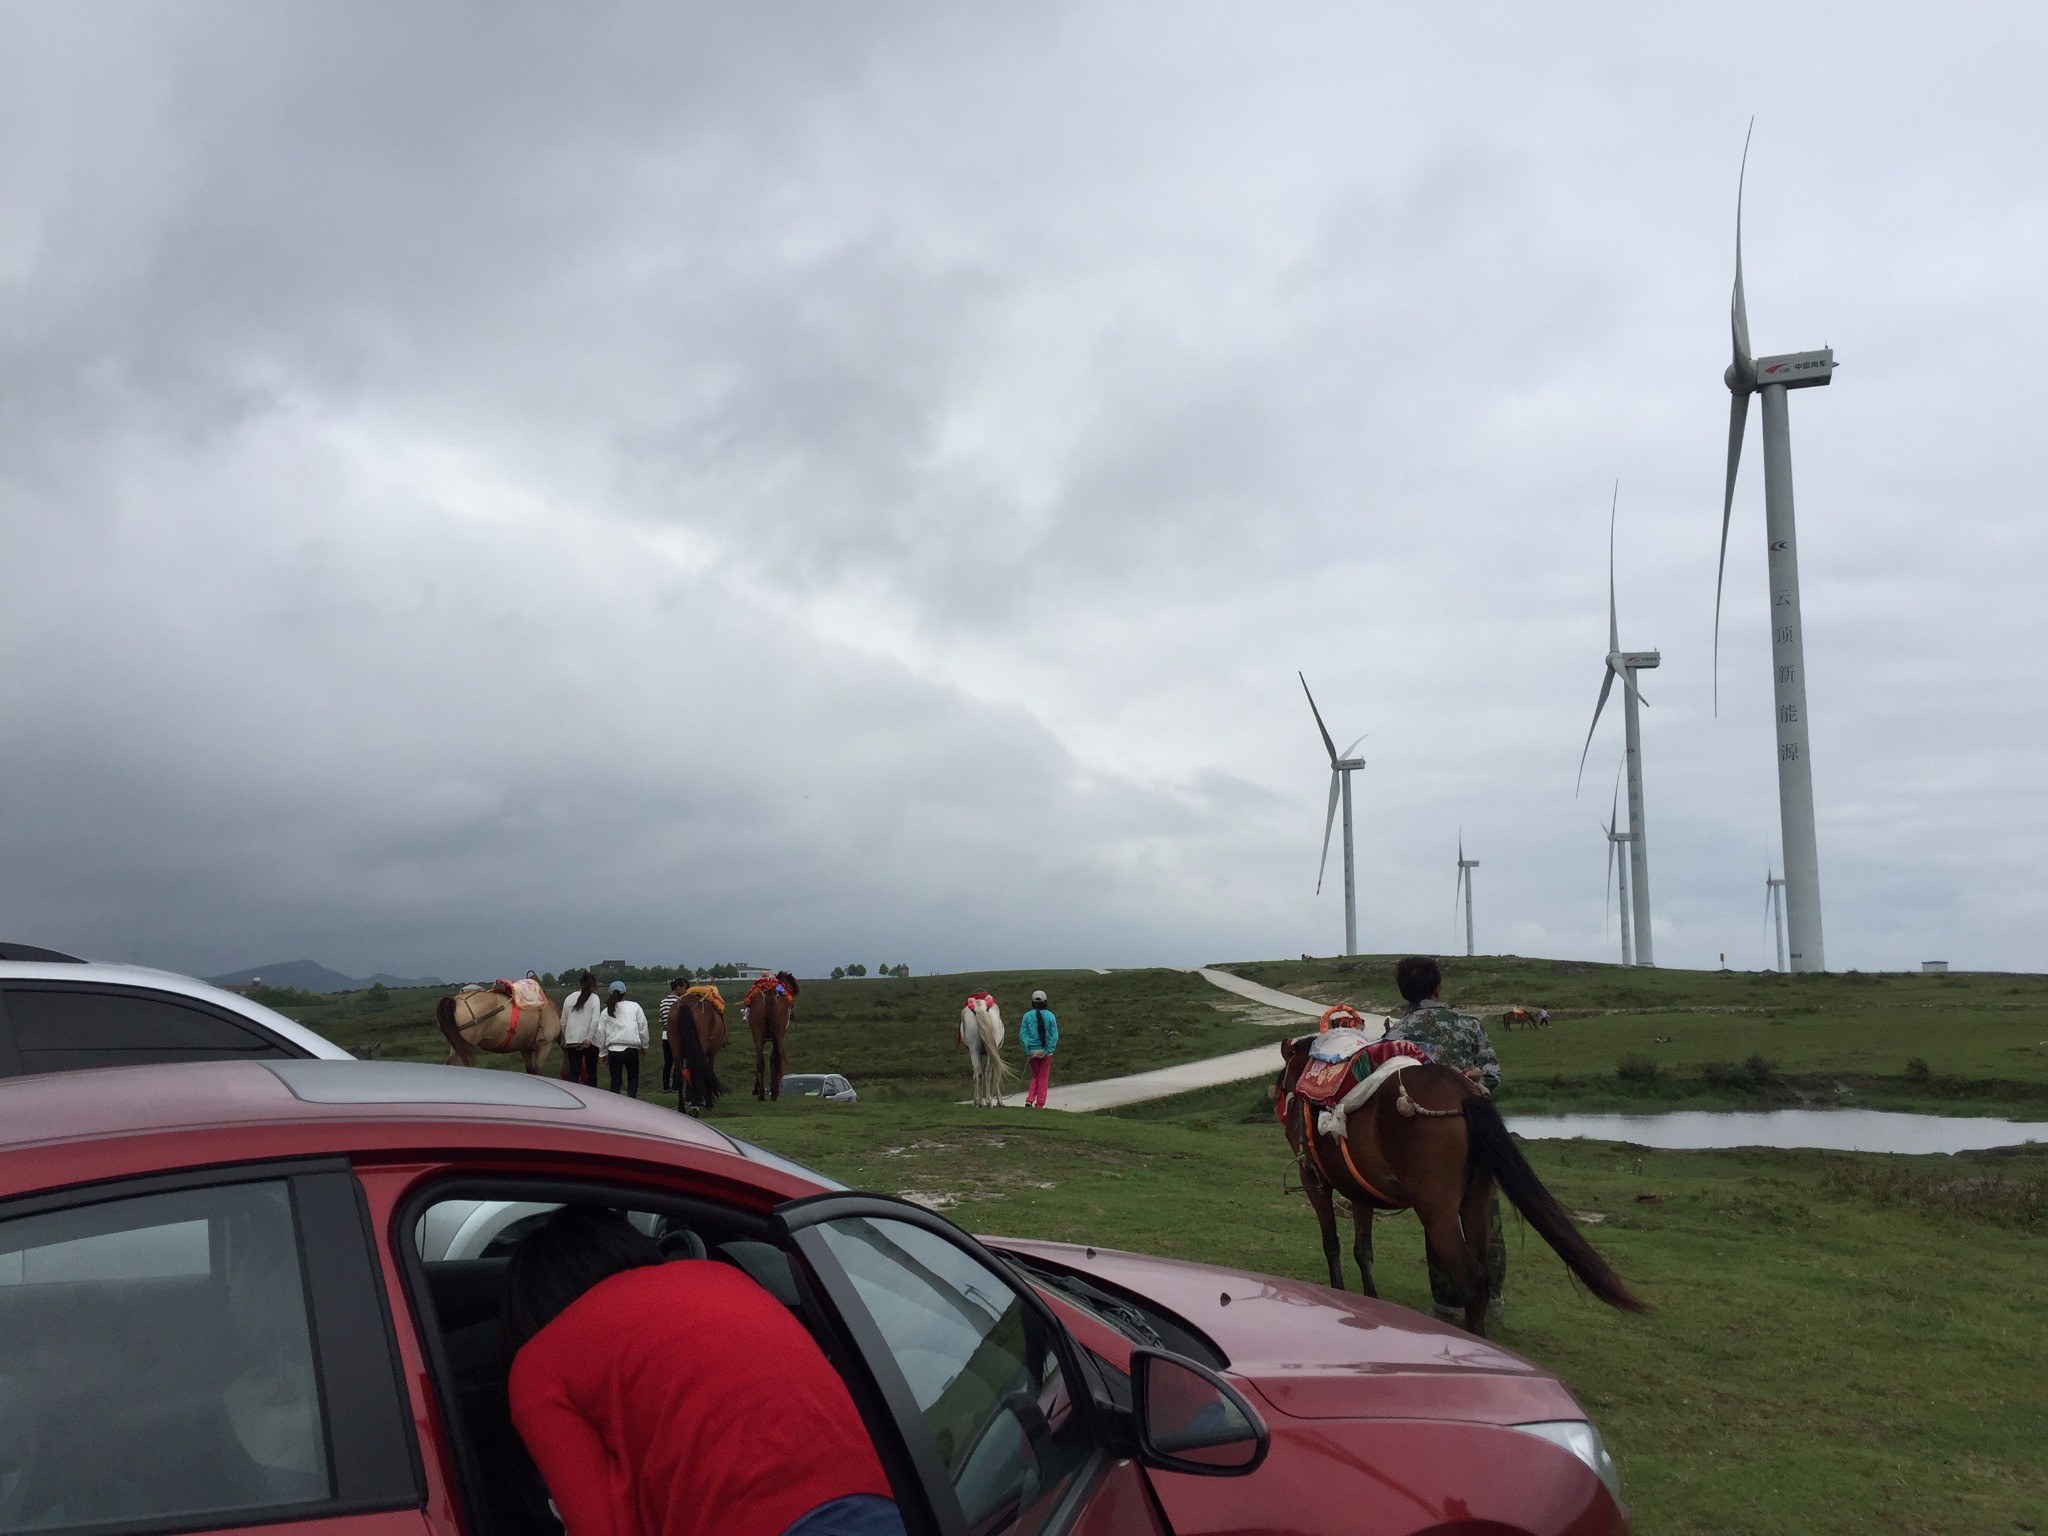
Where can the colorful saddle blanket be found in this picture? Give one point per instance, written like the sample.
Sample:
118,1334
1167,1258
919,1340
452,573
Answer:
1324,1081
767,986
706,989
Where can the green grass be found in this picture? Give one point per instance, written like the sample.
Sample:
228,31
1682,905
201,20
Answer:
1835,1347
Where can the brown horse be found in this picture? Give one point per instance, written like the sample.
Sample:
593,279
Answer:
486,1020
697,1084
769,1004
1430,1141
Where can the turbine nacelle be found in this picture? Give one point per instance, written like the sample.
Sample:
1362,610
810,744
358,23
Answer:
1796,370
1635,661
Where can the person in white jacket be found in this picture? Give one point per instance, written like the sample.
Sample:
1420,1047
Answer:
581,1011
622,1026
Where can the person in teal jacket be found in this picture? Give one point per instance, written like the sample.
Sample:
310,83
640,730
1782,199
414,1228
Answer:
1039,1034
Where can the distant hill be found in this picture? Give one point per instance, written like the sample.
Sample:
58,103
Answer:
311,976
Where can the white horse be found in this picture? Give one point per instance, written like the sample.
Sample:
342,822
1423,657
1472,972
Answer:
981,1031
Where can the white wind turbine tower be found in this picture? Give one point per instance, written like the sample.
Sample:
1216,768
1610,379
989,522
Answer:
1341,768
1625,665
1771,377
1464,888
1618,844
1775,910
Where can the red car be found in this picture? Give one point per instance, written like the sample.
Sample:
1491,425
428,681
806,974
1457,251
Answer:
265,1294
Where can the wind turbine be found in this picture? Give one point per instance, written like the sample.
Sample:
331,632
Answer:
1618,869
1625,665
1341,768
1771,377
1464,888
1774,909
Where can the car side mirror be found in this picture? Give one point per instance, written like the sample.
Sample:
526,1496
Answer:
1189,1419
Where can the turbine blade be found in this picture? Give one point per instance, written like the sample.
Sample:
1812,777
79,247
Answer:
1738,311
1607,885
1329,821
1613,625
1329,746
1738,417
1354,746
1606,684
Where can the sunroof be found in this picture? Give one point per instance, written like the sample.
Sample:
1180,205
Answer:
407,1082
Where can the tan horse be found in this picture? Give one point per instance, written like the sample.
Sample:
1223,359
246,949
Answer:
485,1020
695,1049
770,1001
1429,1141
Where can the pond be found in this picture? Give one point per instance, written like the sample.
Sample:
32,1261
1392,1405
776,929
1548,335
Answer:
1832,1130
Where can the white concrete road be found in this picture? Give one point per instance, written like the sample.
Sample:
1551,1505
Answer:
1164,1082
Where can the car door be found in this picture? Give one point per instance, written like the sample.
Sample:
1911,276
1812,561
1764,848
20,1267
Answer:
59,1026
201,1352
998,1408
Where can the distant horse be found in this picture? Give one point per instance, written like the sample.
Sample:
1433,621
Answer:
769,1003
1430,1141
1517,1018
494,1019
697,1084
981,1031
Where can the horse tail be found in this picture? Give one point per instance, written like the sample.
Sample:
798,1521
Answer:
682,1028
444,1015
1495,1149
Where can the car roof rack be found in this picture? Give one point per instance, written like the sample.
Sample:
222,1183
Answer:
35,952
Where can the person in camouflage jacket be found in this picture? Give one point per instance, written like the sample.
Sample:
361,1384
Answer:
1457,1040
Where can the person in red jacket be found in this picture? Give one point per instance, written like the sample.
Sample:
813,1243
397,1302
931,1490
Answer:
670,1398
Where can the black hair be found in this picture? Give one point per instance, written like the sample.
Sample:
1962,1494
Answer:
611,1004
677,981
1419,978
565,1256
588,983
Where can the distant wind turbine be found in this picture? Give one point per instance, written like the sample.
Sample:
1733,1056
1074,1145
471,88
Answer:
1464,888
1617,869
1625,665
1775,910
1771,377
1342,766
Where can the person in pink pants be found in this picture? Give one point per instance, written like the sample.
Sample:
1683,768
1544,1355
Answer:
1039,1034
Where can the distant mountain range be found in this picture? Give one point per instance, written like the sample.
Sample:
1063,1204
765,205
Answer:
311,976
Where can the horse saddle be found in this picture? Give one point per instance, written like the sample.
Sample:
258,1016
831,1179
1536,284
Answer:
717,998
1325,1081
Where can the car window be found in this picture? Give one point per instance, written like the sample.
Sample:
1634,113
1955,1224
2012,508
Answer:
983,1367
156,1362
57,1029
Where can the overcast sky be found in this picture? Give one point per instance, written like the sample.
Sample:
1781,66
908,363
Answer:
486,486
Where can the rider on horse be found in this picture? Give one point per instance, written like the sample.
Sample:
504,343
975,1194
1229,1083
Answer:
1455,1040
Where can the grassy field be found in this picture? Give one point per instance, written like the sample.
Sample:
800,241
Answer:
1840,1343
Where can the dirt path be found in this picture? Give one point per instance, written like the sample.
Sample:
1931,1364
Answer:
1282,1010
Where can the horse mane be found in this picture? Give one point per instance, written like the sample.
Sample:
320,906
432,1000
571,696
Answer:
788,981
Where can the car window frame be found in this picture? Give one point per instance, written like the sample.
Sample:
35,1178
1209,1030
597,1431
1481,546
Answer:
877,1420
11,1064
374,1460
800,1219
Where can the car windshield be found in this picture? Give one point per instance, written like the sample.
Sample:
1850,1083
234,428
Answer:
1141,1321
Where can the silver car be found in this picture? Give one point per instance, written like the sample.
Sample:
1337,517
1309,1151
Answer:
59,1013
829,1086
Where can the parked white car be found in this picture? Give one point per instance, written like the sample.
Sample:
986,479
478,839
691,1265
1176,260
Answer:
59,1013
829,1086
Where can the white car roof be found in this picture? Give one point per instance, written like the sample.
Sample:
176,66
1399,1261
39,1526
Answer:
107,974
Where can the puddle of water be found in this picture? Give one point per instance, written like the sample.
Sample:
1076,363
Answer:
1832,1130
